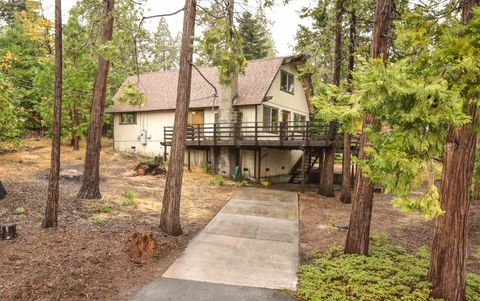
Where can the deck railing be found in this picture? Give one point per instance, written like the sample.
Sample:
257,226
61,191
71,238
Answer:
254,133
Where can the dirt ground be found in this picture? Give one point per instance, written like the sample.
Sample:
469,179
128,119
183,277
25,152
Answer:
86,257
322,220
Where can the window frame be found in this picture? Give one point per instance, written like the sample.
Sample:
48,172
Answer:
123,119
298,118
292,81
270,125
298,121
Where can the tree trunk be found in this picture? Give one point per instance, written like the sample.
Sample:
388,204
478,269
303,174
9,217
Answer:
3,192
75,134
228,91
449,250
170,218
91,175
346,196
359,228
51,210
327,172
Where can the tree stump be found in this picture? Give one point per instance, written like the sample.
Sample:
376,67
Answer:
9,231
3,192
142,245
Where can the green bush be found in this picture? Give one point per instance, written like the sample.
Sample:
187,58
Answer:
129,199
379,239
207,168
99,208
389,273
96,219
243,183
217,180
20,211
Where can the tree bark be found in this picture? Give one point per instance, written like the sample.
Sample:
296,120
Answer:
170,218
449,249
327,172
51,209
3,192
228,91
346,196
91,175
359,228
75,123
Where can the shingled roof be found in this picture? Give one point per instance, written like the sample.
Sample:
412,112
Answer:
160,88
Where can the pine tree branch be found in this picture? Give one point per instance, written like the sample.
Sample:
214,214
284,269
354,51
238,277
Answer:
203,76
163,15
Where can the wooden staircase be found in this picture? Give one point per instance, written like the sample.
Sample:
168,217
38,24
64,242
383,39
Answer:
296,171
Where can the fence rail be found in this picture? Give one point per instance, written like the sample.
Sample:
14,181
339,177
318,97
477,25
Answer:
303,133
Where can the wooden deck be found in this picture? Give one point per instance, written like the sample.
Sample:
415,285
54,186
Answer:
284,135
309,137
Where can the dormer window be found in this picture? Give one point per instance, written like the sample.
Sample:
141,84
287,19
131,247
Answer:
287,81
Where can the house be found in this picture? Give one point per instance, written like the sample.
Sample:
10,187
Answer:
266,138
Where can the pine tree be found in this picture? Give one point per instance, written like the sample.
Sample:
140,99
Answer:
51,210
358,235
170,218
90,188
261,17
255,37
165,47
449,250
327,170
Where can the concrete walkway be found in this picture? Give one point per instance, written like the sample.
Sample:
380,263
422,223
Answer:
249,248
252,241
166,289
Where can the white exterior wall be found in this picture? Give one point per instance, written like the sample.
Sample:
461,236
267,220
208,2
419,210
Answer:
284,101
125,135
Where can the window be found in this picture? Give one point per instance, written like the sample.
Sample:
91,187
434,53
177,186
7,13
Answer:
270,119
128,118
287,82
299,119
237,116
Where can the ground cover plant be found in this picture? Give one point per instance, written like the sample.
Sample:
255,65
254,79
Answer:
389,273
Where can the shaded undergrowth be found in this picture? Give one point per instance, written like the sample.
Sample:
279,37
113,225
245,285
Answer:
388,273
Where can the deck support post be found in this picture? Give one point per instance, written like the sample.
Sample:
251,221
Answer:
259,164
188,159
239,162
255,166
303,170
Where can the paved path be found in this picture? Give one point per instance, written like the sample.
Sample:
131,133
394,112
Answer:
252,241
248,249
166,289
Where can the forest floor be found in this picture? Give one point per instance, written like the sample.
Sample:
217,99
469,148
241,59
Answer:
86,257
322,220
